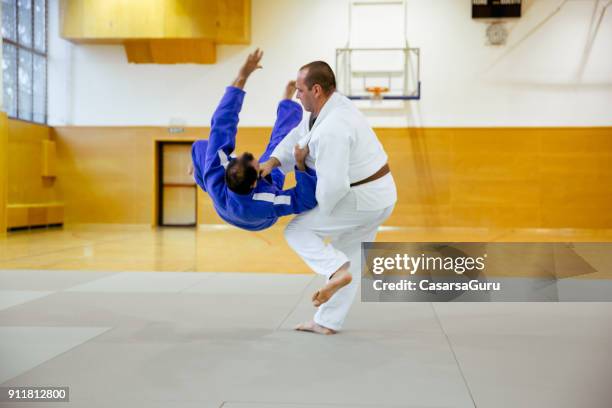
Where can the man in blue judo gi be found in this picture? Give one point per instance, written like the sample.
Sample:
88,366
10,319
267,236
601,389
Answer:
239,195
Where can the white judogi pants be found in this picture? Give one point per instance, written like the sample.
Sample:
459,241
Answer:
345,229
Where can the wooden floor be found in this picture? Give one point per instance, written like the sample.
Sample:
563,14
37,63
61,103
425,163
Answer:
217,248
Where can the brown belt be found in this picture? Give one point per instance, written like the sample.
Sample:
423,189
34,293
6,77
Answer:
384,170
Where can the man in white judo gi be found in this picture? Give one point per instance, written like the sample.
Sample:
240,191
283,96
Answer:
355,191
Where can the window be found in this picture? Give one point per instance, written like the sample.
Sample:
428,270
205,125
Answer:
24,59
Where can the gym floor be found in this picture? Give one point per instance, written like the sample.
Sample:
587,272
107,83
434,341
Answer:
131,316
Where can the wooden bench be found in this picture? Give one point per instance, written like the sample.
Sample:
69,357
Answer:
34,215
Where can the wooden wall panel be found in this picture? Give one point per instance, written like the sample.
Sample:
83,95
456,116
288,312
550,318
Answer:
106,174
120,19
450,177
48,159
234,21
171,51
224,21
31,196
55,214
17,216
26,184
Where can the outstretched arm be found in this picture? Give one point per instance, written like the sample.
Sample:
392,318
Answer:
250,65
224,126
225,119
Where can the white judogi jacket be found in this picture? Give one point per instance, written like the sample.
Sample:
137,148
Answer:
343,149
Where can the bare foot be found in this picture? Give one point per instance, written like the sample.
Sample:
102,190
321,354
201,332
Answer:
339,280
312,327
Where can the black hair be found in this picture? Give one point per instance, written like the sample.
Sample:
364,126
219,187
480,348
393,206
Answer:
240,174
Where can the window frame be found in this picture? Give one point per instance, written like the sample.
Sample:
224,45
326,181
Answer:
22,47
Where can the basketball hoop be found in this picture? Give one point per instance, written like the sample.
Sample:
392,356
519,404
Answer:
377,91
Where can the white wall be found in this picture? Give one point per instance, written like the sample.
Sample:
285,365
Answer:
531,81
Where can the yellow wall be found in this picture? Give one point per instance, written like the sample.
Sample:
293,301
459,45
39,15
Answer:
28,194
3,171
502,177
25,164
106,175
454,177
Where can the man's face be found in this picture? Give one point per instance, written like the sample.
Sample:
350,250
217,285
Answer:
306,96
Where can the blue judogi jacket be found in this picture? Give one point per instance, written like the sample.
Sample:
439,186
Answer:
267,201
